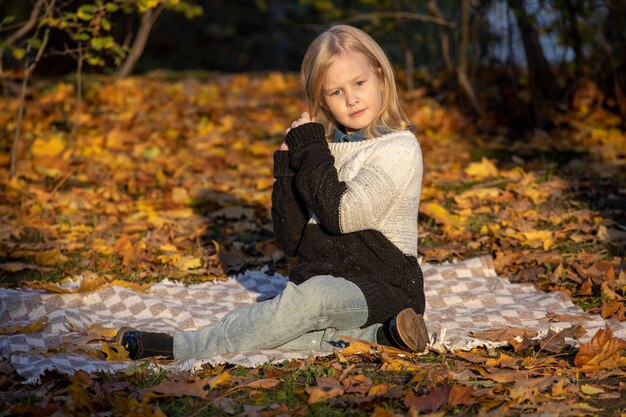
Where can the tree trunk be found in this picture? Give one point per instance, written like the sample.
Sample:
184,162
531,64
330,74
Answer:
571,24
542,82
139,43
461,70
615,32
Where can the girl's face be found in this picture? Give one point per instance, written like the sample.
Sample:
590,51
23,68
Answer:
353,91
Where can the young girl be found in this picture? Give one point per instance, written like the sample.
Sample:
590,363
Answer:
345,202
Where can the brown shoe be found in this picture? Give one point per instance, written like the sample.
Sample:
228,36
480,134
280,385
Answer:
407,331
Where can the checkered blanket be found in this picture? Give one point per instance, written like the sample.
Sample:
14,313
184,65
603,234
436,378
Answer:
461,298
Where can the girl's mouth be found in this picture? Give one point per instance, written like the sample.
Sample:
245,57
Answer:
357,113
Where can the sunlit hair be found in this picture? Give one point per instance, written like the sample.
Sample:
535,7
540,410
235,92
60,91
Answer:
324,51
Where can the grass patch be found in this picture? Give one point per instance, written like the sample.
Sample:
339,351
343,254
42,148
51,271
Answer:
587,303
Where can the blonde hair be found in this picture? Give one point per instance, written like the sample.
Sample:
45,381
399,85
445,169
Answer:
323,52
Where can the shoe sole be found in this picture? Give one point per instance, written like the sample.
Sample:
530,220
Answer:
412,330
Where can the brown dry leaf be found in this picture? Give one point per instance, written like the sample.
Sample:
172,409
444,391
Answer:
504,334
326,388
20,266
608,310
563,317
460,395
555,341
609,293
79,401
470,357
385,412
501,375
32,327
124,247
357,384
433,401
175,387
601,352
267,383
586,288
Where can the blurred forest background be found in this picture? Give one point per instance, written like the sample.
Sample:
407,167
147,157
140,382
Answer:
513,59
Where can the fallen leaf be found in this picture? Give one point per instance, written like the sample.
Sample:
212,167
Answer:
179,388
114,352
325,389
591,390
441,215
267,383
51,258
504,334
601,352
20,266
428,403
222,379
32,327
481,170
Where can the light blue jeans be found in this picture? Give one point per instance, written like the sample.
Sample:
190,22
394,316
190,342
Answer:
309,316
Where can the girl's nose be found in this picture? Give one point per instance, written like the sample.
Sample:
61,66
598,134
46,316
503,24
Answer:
351,99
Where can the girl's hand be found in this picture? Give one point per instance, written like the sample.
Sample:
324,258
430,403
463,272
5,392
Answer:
304,118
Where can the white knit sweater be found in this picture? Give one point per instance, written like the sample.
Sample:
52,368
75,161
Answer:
383,178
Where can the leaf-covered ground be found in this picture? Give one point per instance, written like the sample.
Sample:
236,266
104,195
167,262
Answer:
158,177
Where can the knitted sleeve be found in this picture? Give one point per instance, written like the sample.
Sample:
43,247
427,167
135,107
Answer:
289,212
316,175
385,190
361,202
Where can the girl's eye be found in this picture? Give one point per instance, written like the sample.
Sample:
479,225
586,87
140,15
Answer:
360,83
335,93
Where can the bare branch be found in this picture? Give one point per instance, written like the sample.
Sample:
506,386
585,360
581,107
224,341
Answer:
400,15
28,25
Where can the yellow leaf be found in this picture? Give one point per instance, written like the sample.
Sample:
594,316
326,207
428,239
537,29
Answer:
168,247
52,146
543,236
481,170
591,390
537,196
135,286
180,195
32,327
264,183
114,352
100,330
68,285
260,149
51,257
222,379
442,216
101,246
186,263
